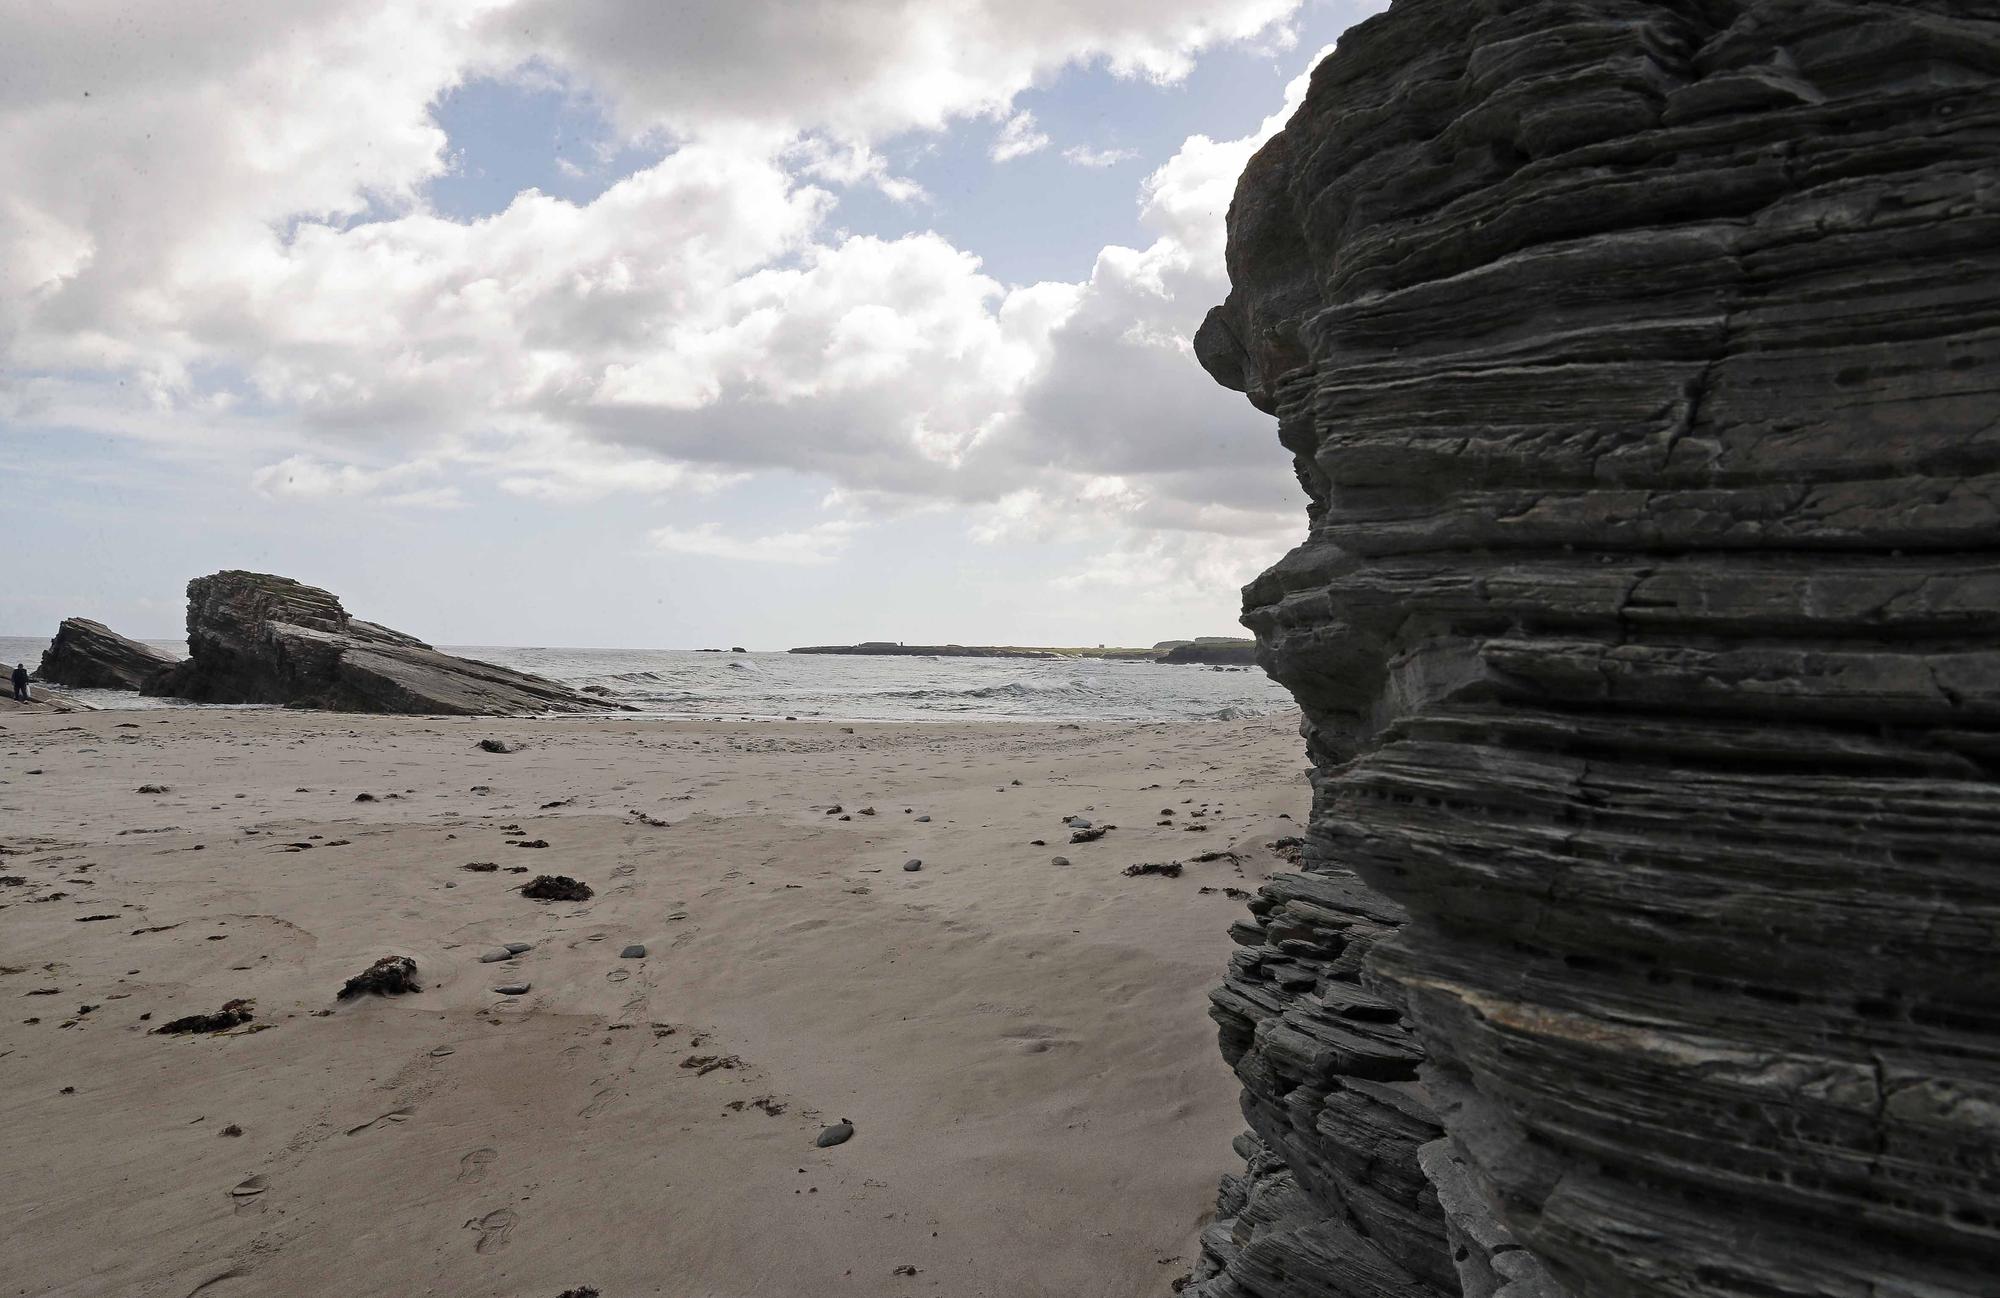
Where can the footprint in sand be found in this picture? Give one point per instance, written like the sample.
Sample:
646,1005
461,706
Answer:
1037,1040
391,1117
248,1195
493,1230
598,1102
474,1166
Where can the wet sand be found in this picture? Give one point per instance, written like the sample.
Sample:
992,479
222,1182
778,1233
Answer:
1022,1047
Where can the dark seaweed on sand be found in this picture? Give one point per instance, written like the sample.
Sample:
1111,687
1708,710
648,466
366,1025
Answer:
229,1016
556,887
392,975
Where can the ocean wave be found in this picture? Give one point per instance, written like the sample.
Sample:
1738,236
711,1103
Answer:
1008,690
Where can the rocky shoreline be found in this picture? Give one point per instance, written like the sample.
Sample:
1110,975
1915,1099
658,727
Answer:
258,638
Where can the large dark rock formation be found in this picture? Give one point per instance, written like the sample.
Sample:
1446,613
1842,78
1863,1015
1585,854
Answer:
90,655
254,638
1642,366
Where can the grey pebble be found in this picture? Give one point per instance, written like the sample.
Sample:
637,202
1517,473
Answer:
923,820
634,952
913,865
838,1134
1077,822
512,989
1059,860
516,948
495,956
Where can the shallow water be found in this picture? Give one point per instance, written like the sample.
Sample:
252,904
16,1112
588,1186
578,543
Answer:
682,683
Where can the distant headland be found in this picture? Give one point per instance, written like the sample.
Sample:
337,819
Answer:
1209,650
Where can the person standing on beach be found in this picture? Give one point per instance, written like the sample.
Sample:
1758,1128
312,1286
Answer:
21,683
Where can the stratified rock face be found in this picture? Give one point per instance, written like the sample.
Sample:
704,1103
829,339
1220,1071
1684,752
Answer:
254,638
1334,1201
90,655
1642,364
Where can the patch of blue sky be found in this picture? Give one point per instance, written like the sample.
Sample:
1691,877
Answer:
528,131
1044,216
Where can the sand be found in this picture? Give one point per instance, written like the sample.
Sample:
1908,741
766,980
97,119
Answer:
1022,1047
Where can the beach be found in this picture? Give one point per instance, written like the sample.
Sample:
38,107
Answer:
1020,1046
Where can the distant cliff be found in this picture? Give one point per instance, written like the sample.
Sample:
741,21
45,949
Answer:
1206,649
1213,651
1641,366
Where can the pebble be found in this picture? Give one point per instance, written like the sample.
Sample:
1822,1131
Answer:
516,948
1059,860
495,956
633,952
838,1134
923,820
512,989
913,865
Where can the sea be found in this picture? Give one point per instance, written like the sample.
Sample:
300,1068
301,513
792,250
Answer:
680,683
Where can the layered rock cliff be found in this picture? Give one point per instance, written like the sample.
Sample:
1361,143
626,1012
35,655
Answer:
254,638
90,655
1641,363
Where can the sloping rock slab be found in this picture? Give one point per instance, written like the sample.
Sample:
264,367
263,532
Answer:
255,638
87,655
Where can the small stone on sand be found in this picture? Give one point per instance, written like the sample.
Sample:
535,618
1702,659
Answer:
633,952
838,1134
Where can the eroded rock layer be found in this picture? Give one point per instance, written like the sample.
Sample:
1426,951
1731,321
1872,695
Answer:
1642,366
255,638
90,655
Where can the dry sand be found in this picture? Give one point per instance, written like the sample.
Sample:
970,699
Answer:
1021,1046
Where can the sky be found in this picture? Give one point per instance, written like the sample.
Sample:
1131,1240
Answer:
760,322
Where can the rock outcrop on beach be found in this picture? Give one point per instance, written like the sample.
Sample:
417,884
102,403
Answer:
1641,365
255,638
90,655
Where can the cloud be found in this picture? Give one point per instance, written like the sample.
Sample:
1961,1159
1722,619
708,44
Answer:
820,544
273,285
304,478
1018,138
856,69
1084,156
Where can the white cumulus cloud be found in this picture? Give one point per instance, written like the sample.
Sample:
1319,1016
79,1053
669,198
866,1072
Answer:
1018,137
